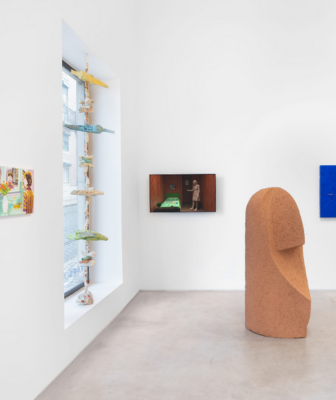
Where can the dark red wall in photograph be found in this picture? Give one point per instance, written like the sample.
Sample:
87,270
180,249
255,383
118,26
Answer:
157,190
209,185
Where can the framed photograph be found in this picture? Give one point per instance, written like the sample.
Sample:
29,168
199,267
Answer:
188,193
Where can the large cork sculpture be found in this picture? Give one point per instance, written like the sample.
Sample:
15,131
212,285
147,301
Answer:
277,298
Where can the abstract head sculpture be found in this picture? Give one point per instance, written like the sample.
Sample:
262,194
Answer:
277,298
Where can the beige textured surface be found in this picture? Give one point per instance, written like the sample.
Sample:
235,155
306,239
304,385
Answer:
277,298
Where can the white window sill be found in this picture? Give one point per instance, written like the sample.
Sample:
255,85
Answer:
73,311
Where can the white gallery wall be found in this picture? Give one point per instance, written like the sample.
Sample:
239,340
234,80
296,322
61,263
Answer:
34,345
246,90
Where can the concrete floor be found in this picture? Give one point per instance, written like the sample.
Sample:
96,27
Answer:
194,345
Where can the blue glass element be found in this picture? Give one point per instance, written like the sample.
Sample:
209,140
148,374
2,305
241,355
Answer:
328,191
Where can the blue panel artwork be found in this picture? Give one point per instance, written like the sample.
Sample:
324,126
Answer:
328,191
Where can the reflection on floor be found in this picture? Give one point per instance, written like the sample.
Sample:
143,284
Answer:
186,208
194,346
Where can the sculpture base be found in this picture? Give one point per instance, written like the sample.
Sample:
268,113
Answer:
280,335
85,299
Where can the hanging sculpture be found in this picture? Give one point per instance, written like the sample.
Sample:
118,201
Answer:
85,161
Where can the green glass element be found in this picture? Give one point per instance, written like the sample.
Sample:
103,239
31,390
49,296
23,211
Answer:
86,258
87,235
88,128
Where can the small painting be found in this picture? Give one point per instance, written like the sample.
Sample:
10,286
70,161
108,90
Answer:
16,191
172,186
328,191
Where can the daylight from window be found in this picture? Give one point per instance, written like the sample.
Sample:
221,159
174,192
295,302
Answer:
71,205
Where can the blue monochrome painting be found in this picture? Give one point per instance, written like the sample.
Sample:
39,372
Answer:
328,191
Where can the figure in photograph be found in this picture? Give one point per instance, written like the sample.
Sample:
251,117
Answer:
196,196
10,179
28,195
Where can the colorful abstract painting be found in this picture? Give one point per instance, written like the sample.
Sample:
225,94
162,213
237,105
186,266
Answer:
16,191
328,191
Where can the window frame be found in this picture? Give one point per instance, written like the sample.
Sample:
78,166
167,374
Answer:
66,171
66,137
80,286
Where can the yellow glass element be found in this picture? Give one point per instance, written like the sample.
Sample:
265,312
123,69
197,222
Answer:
88,78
